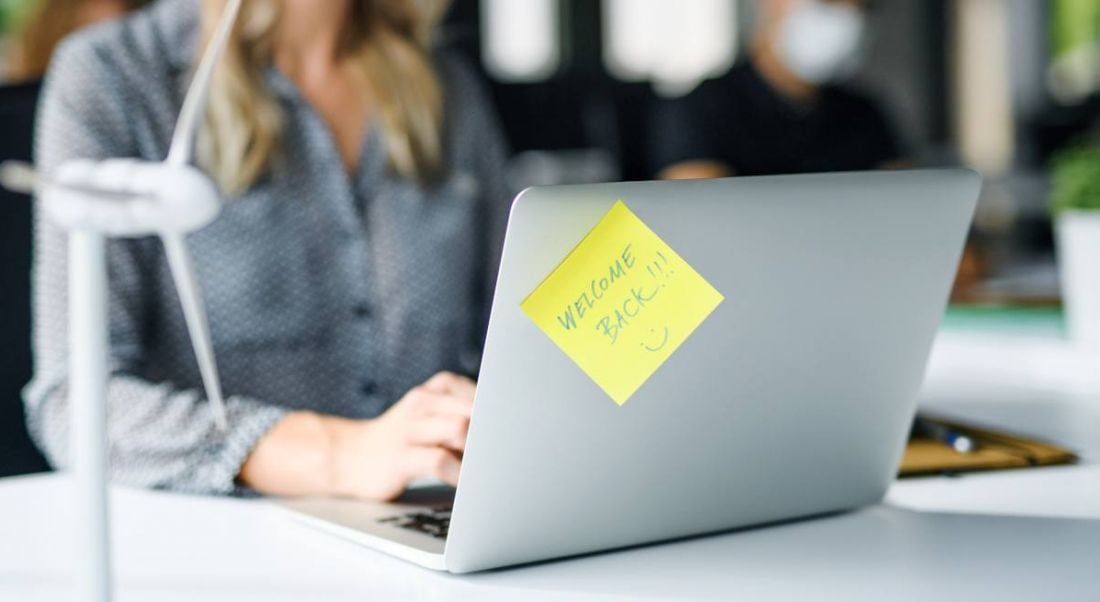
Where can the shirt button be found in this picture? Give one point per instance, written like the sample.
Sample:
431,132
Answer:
369,388
362,311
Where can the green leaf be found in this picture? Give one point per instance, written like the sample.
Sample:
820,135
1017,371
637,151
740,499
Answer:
1075,179
11,11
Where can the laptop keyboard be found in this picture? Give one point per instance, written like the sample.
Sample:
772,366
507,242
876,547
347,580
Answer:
431,521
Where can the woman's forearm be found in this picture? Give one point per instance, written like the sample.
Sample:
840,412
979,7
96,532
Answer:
422,435
296,457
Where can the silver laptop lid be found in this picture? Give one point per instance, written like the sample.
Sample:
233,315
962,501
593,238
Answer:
793,397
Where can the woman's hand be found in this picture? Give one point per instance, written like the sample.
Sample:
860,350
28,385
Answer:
422,435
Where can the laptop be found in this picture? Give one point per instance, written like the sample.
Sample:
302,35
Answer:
789,393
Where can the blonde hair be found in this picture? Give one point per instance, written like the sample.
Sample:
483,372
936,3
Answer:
387,42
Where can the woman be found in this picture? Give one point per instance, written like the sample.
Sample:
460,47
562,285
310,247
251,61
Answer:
351,263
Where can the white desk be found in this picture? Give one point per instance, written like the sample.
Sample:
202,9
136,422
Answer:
1024,535
1031,383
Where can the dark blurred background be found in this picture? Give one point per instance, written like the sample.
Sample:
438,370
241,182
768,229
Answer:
997,85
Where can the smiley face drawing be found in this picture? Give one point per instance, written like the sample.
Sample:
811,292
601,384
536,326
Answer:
661,344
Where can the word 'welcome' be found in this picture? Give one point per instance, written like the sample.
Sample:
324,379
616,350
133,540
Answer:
618,308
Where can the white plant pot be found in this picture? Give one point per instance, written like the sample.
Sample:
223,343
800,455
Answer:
1078,237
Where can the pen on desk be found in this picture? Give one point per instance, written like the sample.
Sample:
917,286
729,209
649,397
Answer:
946,435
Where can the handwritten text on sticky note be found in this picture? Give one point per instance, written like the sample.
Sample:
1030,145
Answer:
621,303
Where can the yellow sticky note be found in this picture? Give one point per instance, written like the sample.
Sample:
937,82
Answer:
621,303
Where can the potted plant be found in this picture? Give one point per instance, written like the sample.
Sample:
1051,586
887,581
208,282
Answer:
1075,200
10,12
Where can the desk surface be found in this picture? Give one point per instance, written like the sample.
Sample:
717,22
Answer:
1018,535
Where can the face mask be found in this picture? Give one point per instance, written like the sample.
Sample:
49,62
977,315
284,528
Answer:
821,42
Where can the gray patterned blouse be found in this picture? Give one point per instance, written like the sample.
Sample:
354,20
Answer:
325,292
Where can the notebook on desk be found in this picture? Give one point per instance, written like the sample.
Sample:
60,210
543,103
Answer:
996,450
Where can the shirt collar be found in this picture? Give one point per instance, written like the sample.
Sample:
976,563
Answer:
177,22
373,163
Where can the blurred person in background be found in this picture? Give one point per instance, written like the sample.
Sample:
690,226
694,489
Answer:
348,274
48,22
782,110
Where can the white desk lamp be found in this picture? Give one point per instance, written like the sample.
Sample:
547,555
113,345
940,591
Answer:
125,198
